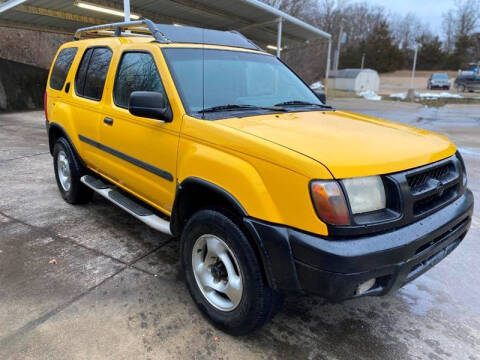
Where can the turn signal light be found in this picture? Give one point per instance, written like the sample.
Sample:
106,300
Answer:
329,202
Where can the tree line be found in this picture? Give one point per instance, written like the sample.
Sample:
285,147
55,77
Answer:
386,39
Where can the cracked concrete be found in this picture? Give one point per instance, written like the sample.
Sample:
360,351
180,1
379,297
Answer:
117,292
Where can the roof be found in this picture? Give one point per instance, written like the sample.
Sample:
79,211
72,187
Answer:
256,20
350,73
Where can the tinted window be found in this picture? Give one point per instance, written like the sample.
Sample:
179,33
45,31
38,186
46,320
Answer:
92,73
137,72
82,71
61,68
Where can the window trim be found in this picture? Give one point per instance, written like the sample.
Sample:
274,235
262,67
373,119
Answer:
69,68
124,52
88,67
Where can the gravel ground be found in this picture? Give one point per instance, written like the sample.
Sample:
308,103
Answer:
116,291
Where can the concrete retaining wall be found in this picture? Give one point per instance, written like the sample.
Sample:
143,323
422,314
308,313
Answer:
25,57
30,47
21,86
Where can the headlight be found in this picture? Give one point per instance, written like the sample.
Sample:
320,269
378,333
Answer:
329,202
365,194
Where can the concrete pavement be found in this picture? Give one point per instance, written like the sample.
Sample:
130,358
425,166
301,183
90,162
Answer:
116,291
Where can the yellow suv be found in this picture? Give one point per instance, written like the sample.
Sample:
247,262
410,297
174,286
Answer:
202,135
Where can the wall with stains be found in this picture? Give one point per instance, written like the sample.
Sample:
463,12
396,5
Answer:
30,47
25,57
21,86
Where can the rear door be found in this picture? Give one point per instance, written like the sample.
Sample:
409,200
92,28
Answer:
88,99
140,153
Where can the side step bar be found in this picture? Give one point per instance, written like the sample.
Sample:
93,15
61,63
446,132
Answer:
133,208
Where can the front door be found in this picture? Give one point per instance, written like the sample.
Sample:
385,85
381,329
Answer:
139,153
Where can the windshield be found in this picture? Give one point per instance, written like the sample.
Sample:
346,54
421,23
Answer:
233,78
440,76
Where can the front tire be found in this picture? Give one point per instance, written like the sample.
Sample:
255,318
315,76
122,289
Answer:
68,171
224,276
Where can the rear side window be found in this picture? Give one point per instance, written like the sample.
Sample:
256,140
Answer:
92,73
137,72
61,67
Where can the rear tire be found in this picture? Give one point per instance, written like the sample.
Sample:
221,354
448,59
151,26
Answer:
208,233
68,171
461,88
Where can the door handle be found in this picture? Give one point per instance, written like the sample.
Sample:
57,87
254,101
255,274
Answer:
108,121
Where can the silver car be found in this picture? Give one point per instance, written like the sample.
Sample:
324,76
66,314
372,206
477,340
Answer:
439,81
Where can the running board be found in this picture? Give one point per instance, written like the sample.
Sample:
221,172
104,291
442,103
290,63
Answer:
142,213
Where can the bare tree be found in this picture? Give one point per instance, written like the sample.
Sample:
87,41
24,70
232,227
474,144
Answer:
467,16
407,30
462,20
297,8
449,28
460,23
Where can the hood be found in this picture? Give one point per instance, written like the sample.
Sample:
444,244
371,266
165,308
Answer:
348,144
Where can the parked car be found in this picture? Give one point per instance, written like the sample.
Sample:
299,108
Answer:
468,80
439,81
202,135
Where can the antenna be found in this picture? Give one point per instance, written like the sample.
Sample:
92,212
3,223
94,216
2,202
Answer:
203,73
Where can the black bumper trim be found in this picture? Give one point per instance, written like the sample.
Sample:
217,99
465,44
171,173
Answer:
297,261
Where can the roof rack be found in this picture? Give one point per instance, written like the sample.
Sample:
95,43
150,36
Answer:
169,33
118,29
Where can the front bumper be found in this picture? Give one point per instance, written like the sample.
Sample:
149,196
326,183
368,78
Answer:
334,268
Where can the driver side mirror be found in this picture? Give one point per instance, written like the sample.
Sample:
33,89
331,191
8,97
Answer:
149,104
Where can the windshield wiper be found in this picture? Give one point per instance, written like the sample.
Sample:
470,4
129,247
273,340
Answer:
233,107
301,103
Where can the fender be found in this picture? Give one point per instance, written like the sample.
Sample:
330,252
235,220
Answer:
215,188
182,191
52,127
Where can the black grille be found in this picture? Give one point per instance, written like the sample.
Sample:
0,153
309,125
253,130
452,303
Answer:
433,201
433,187
418,181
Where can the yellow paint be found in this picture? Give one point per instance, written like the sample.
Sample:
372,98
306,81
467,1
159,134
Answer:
266,162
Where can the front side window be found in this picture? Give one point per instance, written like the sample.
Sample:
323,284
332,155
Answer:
209,78
62,67
92,73
137,72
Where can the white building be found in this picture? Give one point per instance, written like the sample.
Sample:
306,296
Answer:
357,80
